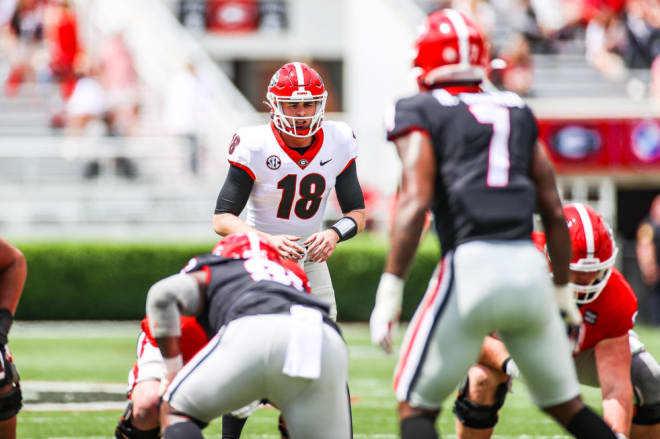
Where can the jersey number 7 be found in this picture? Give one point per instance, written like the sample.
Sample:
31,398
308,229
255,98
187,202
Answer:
498,149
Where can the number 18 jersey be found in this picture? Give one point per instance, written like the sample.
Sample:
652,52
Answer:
483,145
290,189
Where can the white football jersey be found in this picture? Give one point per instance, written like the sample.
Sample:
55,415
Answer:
290,190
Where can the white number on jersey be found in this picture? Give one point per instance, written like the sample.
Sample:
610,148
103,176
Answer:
498,150
263,269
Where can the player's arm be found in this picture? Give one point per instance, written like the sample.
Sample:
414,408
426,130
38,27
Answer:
232,200
558,240
351,202
645,249
416,193
167,300
613,359
13,271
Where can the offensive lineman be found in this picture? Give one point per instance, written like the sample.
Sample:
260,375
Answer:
282,344
13,271
472,157
608,353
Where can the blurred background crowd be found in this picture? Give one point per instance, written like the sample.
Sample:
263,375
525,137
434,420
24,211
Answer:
115,117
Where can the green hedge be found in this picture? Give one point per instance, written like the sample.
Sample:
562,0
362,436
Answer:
109,281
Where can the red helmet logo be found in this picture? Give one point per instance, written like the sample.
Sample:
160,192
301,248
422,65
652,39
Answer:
450,48
593,249
296,82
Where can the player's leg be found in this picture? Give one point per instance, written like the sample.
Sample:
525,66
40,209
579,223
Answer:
479,399
321,283
209,385
140,419
439,347
645,376
315,408
232,426
10,395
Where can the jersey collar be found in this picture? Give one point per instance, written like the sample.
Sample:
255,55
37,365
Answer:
301,160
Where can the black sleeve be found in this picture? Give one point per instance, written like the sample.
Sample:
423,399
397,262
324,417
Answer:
349,192
235,192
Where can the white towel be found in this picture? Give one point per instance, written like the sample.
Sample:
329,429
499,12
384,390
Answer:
303,354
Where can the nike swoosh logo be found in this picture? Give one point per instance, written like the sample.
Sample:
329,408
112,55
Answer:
324,162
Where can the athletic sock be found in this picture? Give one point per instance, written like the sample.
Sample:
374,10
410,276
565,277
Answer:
183,430
232,426
586,424
418,427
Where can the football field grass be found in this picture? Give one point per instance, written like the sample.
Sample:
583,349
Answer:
73,375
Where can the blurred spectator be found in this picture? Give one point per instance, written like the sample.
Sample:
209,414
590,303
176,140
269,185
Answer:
87,113
120,82
642,28
648,256
183,108
21,41
61,32
518,74
603,40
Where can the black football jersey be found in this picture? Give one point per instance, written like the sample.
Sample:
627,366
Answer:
483,145
243,287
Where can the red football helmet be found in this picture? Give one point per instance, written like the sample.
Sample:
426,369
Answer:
246,245
593,248
296,82
450,48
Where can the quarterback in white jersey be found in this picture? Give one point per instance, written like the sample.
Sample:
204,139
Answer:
284,171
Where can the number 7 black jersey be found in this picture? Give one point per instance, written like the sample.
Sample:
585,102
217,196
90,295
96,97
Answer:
483,145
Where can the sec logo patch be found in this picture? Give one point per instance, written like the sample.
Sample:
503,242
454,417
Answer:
273,162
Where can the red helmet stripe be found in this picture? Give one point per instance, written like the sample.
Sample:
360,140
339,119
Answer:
462,32
300,75
588,229
254,244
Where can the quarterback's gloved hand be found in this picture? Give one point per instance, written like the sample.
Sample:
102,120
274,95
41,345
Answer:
384,318
567,306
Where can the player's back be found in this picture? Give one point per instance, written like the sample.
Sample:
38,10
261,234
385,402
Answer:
483,144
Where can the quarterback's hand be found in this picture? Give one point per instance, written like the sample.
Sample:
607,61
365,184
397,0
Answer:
567,306
385,315
287,247
320,245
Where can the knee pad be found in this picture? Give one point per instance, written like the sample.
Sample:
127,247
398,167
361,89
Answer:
475,415
126,430
187,430
645,377
11,401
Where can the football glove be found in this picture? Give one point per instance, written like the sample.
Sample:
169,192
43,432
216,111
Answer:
510,368
384,318
565,298
172,366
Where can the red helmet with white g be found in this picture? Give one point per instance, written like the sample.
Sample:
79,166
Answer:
450,48
246,245
593,249
296,82
256,245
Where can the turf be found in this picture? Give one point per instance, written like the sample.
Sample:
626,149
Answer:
104,353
